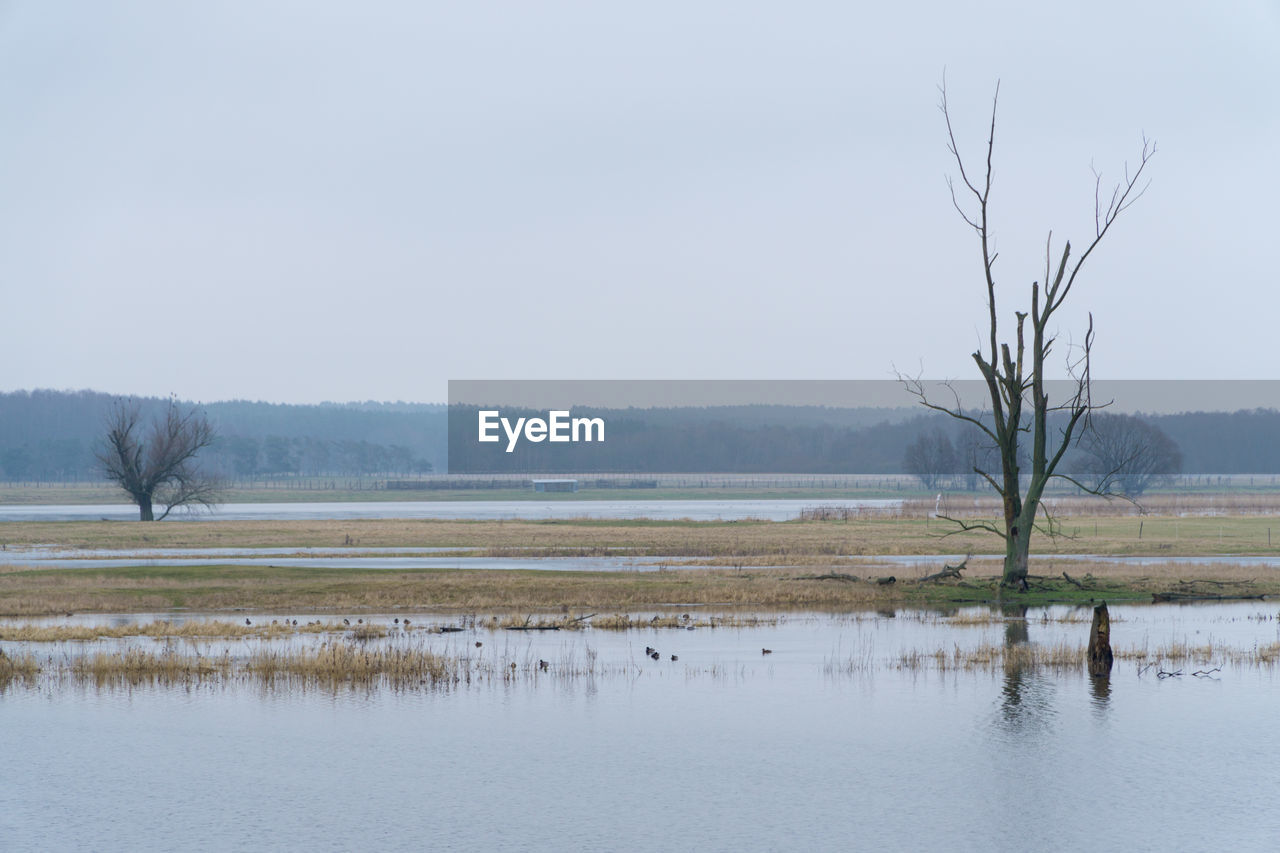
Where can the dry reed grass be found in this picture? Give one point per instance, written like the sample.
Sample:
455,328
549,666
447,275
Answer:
192,629
139,666
338,663
332,664
1059,656
623,622
349,662
22,668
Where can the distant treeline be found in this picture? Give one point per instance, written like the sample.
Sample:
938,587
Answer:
51,435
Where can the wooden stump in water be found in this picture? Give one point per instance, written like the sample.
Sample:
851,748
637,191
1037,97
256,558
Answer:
1100,656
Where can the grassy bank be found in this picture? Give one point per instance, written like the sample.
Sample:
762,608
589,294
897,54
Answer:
750,564
286,590
756,542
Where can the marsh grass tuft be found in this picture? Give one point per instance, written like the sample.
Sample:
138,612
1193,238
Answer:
190,629
624,622
335,662
22,668
138,666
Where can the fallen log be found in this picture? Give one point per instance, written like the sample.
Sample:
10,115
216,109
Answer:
1072,581
948,571
1167,597
830,576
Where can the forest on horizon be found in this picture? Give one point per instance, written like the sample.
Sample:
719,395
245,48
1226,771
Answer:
51,436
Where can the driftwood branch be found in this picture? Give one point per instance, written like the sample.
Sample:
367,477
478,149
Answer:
830,576
529,626
948,571
1164,597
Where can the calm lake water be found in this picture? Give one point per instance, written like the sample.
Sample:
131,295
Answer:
823,744
697,510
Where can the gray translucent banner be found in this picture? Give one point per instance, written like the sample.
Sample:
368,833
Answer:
1151,396
535,427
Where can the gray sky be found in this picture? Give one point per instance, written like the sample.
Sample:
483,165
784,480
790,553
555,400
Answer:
305,201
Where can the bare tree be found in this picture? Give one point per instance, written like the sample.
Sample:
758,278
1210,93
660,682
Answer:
930,458
1125,453
160,466
1015,376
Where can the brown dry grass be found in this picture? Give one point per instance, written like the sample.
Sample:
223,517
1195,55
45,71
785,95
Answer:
1170,504
1119,530
193,629
22,668
347,662
1058,656
332,664
282,590
1061,656
335,664
624,622
138,666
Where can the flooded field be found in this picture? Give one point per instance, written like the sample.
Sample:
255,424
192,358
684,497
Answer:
55,557
696,510
908,729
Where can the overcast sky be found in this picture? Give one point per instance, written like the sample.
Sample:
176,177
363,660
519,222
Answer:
306,201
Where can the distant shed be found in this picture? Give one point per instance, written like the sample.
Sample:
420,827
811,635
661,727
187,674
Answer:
555,485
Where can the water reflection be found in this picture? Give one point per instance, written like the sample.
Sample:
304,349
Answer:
1026,699
1100,694
1015,628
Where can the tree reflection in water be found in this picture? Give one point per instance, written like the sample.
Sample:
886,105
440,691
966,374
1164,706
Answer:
1026,697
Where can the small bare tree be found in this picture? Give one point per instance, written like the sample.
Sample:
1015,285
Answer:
1126,453
930,458
160,466
1015,376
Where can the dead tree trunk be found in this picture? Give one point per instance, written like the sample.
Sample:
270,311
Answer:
1014,371
1100,657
